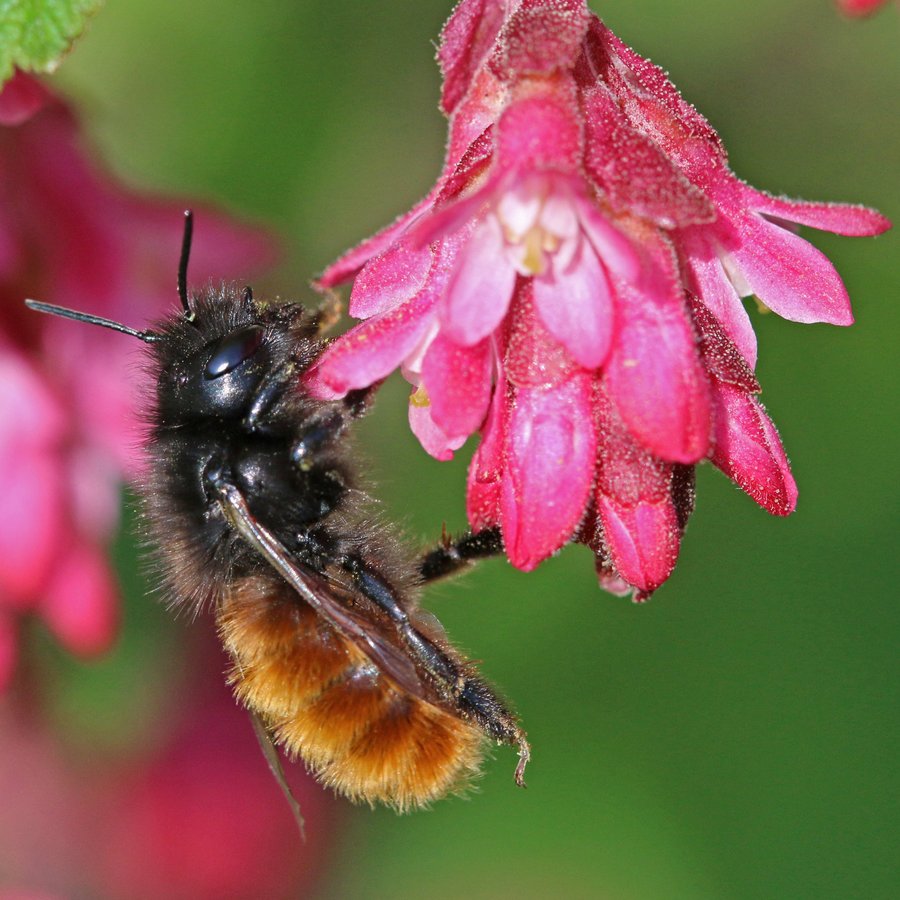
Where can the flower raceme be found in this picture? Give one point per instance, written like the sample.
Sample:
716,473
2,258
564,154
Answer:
68,432
572,288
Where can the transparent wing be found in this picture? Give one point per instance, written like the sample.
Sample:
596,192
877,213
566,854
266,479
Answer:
323,594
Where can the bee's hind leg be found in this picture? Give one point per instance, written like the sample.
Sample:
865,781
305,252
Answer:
452,555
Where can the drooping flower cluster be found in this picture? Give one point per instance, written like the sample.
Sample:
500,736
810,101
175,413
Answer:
68,395
571,288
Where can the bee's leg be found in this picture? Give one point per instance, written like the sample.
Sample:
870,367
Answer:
452,555
326,427
270,391
384,596
329,312
276,382
270,752
316,435
473,697
358,402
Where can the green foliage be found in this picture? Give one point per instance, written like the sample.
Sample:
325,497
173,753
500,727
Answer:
36,34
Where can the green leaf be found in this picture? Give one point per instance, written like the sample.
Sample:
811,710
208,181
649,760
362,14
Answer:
35,34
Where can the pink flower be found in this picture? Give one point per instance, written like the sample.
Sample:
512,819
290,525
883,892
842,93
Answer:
193,812
859,7
68,426
204,818
571,288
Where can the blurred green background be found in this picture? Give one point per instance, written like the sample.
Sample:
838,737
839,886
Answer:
734,738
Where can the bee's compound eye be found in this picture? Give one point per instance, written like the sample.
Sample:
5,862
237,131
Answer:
234,349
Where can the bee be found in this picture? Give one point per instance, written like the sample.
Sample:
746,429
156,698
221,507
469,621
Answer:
254,506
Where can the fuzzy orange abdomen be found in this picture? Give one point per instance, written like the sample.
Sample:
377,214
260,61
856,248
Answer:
327,703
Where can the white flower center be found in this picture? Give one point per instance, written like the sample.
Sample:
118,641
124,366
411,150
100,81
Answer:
538,223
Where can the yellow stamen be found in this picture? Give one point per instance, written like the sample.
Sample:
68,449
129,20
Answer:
419,397
533,260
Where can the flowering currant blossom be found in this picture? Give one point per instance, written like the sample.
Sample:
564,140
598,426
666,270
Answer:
572,288
69,234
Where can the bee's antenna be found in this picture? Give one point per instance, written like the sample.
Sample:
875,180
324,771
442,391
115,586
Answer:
183,262
146,336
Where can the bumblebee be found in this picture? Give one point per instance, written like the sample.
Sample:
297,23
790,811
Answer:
256,512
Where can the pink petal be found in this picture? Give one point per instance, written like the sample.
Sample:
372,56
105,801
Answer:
641,511
22,96
859,7
473,162
633,171
789,275
716,290
721,357
372,350
577,308
30,413
614,248
654,374
317,387
541,132
389,279
446,220
95,495
551,449
102,377
466,40
12,244
643,541
653,103
532,357
477,112
432,437
613,583
80,604
852,220
748,450
353,260
480,287
540,37
458,381
489,463
33,523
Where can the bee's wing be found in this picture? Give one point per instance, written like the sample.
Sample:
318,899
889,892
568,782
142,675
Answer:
320,593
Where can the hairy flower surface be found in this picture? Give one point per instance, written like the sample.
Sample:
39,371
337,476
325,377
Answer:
68,432
572,288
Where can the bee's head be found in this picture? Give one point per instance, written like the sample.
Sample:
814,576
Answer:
212,361
213,356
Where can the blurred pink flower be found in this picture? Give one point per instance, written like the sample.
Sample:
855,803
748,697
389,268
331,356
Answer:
572,288
205,818
195,814
859,7
68,423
